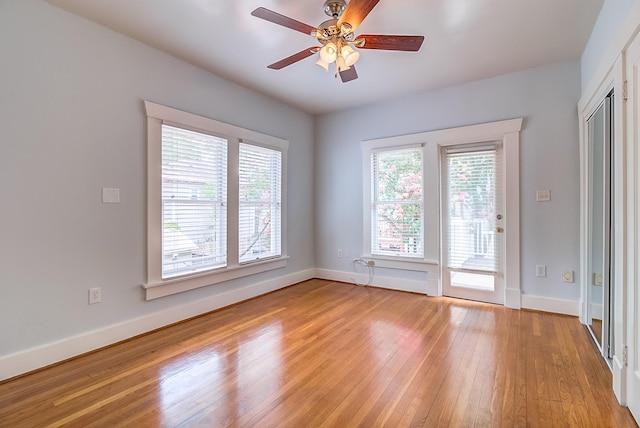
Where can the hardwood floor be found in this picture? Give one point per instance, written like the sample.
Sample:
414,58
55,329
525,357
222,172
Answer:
322,353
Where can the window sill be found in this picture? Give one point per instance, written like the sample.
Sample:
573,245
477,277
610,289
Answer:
162,288
404,263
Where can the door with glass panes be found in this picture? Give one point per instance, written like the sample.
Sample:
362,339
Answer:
473,222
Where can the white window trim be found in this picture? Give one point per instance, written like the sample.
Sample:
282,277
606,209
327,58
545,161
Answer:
156,286
507,131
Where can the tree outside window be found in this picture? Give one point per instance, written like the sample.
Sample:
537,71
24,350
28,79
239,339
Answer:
398,202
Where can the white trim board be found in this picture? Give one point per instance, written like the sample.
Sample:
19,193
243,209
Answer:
31,359
428,287
549,304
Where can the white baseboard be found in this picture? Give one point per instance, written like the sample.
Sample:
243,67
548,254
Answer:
596,311
548,304
429,287
512,298
51,353
619,371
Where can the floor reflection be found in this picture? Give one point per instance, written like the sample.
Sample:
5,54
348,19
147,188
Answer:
218,379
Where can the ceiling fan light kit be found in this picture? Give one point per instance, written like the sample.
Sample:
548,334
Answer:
336,36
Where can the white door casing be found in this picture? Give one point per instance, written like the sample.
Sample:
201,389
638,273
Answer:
508,132
630,350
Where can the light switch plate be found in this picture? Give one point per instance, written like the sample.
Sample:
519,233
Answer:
543,195
110,195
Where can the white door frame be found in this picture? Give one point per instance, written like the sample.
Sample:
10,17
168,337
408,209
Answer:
507,131
630,322
615,68
586,107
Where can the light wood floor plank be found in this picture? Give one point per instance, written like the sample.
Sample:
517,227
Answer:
322,353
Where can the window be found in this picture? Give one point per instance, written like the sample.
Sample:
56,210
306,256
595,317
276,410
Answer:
472,195
396,206
215,201
194,201
260,202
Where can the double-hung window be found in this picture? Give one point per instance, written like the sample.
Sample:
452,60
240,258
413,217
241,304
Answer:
260,202
215,201
396,207
194,201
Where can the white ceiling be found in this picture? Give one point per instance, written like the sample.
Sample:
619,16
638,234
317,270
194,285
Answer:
465,40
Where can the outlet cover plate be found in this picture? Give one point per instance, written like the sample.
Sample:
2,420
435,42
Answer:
95,295
567,276
110,195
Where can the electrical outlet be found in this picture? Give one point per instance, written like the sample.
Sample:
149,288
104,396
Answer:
110,196
598,279
340,253
541,270
95,295
347,253
543,195
567,276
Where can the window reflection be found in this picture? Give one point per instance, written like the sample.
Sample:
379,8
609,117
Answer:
214,385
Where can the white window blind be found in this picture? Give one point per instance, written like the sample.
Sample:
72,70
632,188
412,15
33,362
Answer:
473,190
397,203
260,203
194,200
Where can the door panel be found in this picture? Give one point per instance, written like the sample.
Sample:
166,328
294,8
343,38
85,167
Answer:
472,213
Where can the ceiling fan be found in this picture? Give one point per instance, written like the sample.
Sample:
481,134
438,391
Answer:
337,38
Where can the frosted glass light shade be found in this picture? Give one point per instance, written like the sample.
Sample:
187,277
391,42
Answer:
329,53
350,56
323,64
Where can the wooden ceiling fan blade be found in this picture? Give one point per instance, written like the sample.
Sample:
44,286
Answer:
293,58
285,21
349,74
355,12
391,43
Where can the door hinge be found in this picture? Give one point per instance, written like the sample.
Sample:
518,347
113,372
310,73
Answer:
625,356
624,90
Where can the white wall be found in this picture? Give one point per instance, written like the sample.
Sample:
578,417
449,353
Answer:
546,97
71,122
604,31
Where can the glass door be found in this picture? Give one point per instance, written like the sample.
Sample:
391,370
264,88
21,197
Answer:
472,213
